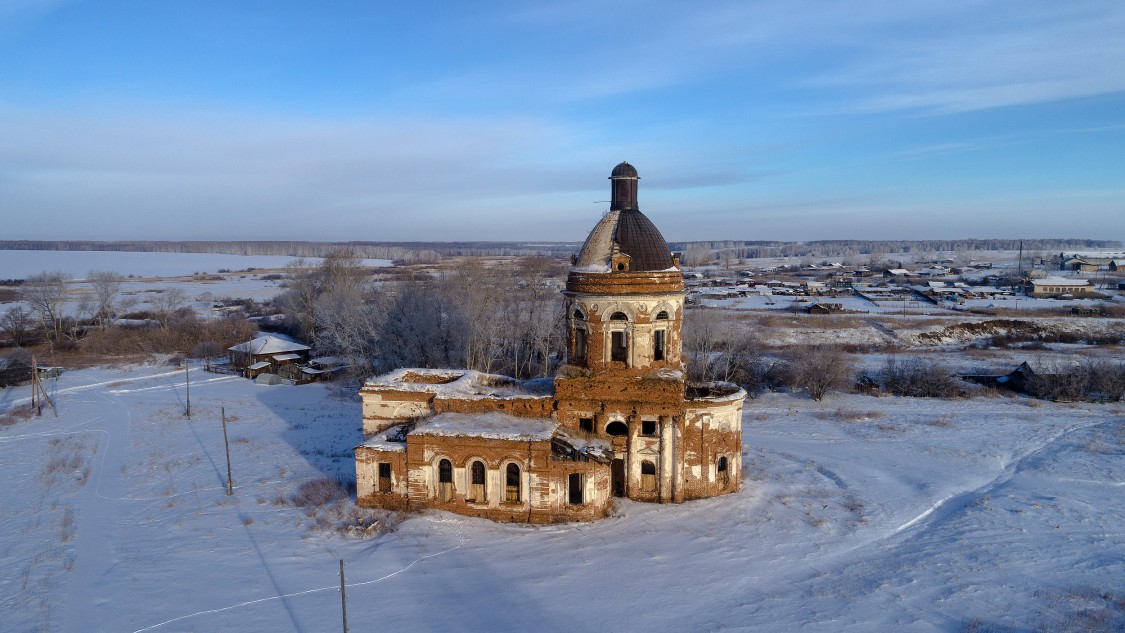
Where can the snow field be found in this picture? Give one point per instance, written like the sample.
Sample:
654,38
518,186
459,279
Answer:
856,514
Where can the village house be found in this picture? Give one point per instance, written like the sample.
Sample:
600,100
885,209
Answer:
1061,287
268,355
618,419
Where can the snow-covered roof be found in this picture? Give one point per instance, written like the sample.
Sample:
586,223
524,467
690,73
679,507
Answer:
487,425
461,383
268,344
1060,281
387,440
595,448
286,356
260,364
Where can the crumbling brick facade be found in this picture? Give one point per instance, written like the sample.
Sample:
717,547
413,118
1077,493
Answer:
619,419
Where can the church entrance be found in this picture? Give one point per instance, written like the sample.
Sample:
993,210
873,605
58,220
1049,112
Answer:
617,478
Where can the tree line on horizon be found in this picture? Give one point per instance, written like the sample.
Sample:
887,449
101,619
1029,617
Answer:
433,252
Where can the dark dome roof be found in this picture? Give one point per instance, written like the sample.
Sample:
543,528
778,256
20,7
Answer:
624,170
633,234
639,238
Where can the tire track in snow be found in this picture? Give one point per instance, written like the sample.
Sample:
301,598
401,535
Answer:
947,506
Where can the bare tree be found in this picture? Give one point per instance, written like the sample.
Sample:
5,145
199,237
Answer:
919,379
46,293
167,302
716,349
17,324
107,287
697,255
207,350
820,368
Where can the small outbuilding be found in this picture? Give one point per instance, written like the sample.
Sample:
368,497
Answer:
269,354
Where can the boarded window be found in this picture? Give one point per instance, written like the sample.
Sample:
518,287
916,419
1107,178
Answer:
586,424
477,491
658,345
648,427
574,489
384,477
648,476
445,480
512,484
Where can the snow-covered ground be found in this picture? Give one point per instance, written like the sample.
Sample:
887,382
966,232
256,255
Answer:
856,514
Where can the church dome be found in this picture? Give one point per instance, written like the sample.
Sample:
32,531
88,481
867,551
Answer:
625,230
624,170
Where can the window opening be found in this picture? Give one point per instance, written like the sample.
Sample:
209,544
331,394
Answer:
586,424
512,487
658,345
724,473
476,488
648,476
580,343
662,315
578,316
617,428
445,480
648,427
574,489
618,316
618,347
384,477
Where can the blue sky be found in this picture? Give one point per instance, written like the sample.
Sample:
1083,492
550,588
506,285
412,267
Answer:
793,120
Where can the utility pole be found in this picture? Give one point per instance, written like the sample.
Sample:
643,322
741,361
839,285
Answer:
35,386
230,481
187,389
39,392
343,597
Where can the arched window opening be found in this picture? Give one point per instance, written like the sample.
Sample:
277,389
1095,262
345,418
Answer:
662,315
445,480
648,476
617,428
578,315
477,491
512,484
618,316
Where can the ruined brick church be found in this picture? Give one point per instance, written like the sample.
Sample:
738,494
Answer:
619,419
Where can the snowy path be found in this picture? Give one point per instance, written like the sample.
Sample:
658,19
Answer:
89,598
